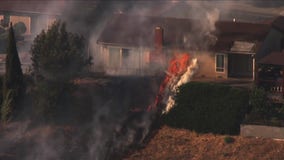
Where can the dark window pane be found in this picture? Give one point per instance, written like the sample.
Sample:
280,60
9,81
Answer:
220,63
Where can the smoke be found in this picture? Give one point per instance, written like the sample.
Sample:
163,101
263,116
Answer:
202,37
109,133
177,82
112,128
139,9
20,141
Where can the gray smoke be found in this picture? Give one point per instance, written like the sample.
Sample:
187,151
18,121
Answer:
112,128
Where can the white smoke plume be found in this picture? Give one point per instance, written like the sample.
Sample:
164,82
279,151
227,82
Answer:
108,127
201,37
176,82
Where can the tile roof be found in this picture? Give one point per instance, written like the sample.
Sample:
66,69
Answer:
133,31
139,31
274,58
228,32
278,23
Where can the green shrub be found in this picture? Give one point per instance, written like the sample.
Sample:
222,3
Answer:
58,56
13,82
281,110
6,108
49,98
229,139
206,107
259,102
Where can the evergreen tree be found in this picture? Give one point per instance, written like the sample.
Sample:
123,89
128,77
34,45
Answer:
57,56
13,84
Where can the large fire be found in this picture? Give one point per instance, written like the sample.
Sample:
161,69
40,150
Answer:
179,71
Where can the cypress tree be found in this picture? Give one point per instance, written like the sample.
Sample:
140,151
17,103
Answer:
13,84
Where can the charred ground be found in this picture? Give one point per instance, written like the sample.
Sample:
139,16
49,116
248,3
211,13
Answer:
105,117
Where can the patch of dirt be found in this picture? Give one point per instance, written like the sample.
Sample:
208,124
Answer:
181,144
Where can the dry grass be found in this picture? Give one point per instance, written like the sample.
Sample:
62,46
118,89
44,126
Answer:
172,144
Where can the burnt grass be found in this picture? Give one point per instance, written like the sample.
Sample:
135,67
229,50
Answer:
106,119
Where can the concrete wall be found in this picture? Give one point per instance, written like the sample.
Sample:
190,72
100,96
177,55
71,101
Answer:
262,131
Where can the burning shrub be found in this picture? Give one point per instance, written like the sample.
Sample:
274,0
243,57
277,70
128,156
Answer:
206,107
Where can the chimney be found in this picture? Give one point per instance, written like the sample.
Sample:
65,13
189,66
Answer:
158,41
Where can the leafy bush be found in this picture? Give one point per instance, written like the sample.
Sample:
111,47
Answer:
229,139
263,110
6,108
58,56
206,107
259,102
49,99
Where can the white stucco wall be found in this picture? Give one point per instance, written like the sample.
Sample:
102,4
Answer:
207,65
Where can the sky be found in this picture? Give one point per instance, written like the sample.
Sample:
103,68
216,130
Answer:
247,9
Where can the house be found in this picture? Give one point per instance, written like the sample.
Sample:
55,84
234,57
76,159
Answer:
270,75
270,59
131,45
128,44
35,15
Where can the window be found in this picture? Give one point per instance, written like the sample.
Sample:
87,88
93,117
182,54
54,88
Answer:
282,43
124,57
114,57
220,62
24,19
125,52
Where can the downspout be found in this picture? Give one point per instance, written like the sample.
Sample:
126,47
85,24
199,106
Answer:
253,67
282,82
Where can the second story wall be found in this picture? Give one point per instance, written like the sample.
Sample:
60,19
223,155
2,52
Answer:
25,19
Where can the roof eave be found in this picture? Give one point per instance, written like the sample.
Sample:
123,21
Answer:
121,45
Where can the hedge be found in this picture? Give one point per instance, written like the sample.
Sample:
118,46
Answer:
208,107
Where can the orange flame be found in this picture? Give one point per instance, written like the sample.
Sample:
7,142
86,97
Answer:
177,67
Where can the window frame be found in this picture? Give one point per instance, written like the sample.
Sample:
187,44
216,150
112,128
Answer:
220,69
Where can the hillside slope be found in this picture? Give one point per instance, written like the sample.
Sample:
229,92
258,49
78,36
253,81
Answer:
173,144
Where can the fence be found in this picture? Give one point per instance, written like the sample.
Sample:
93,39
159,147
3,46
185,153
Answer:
272,86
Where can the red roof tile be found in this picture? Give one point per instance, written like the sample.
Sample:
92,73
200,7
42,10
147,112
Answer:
124,30
274,58
278,23
139,31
